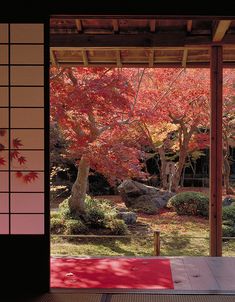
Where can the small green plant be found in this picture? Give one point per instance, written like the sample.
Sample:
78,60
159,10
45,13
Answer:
117,226
57,226
99,214
55,214
190,203
228,221
73,227
64,209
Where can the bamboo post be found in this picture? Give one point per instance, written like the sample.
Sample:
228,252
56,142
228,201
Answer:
156,242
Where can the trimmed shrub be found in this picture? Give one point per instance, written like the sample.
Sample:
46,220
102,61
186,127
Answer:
98,211
228,221
117,226
100,214
228,231
229,213
57,226
190,203
73,227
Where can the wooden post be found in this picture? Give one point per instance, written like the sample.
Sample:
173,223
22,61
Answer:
215,210
156,243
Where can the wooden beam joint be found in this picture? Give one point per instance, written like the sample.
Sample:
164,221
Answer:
85,58
79,25
219,30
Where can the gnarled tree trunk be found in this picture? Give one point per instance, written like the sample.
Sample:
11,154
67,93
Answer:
163,168
228,188
79,189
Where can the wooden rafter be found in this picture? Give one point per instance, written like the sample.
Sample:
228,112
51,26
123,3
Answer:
85,58
118,58
115,25
185,57
152,25
219,30
151,58
189,25
78,25
53,58
176,39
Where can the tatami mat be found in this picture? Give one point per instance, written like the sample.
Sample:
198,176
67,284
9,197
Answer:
170,298
140,297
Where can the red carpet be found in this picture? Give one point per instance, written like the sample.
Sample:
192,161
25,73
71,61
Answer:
133,273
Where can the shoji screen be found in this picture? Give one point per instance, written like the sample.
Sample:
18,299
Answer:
24,210
21,129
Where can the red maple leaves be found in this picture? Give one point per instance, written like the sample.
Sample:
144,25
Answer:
15,154
27,178
2,161
16,142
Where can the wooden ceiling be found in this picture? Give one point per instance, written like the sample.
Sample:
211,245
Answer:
139,42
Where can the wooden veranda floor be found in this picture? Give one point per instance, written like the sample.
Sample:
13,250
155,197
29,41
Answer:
196,279
190,274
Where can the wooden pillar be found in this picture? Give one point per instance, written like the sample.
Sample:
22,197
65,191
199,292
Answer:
215,211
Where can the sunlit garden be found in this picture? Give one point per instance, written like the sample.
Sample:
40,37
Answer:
130,155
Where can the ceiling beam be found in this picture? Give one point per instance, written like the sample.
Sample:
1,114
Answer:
219,30
178,39
85,58
152,25
146,16
156,65
78,25
189,25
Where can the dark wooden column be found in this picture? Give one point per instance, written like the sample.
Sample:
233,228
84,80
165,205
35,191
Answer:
216,72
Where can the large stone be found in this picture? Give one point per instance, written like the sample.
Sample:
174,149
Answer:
128,217
142,197
227,201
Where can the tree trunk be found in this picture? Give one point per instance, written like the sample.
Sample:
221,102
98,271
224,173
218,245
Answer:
228,188
79,189
163,168
181,163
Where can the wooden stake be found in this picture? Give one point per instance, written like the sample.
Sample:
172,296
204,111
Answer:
156,243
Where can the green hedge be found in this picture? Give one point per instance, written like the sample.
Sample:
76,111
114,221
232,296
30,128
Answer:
229,221
190,203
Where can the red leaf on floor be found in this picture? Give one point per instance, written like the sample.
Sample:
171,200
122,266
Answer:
2,147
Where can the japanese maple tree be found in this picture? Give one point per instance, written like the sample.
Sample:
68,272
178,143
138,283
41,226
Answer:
94,107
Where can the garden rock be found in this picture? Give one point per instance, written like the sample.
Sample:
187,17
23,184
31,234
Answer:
128,217
227,202
142,197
